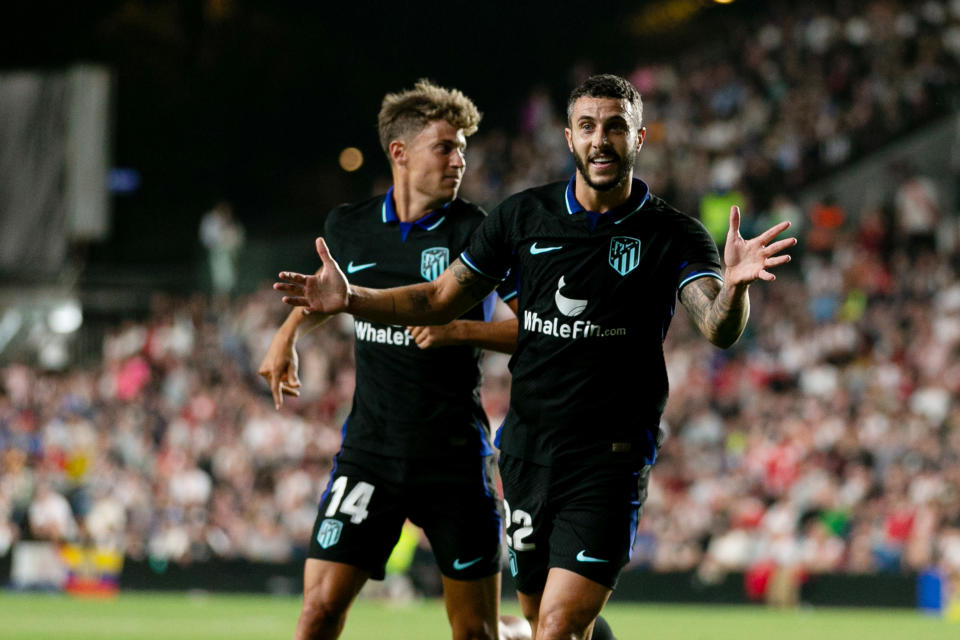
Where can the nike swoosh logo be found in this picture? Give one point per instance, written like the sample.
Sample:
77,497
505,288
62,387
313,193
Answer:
534,249
460,566
353,268
583,557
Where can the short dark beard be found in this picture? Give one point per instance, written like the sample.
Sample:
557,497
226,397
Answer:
626,166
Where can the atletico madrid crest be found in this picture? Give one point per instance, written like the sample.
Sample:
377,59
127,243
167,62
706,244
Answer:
433,261
624,254
329,533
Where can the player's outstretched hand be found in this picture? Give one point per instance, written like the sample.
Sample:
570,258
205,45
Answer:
749,260
433,336
279,368
325,292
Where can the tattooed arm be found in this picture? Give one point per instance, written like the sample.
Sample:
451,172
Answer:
720,311
448,297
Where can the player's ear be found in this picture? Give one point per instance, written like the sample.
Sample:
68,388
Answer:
397,151
568,134
641,134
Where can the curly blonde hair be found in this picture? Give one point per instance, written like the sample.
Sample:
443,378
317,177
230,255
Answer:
408,112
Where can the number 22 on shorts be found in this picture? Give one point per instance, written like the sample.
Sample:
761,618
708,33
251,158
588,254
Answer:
517,541
355,504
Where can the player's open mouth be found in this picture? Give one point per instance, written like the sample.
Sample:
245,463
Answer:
603,162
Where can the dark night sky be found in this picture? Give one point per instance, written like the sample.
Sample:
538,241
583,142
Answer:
253,101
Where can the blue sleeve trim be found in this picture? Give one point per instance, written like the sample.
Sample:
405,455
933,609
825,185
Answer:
697,276
467,261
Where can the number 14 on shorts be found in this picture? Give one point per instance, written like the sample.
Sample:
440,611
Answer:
354,504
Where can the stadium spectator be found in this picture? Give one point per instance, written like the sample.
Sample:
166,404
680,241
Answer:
223,237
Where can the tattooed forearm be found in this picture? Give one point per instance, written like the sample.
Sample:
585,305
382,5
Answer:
475,286
419,301
697,297
719,312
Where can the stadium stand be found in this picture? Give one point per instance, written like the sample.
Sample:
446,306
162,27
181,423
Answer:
828,441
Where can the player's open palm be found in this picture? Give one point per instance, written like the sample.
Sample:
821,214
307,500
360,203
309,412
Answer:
325,292
750,260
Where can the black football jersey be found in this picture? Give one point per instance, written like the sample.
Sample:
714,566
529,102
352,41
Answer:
596,293
409,402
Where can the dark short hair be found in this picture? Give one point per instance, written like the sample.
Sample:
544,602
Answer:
409,112
606,85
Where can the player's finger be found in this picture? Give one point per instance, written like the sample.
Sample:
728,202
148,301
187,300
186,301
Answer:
323,252
296,301
779,246
291,392
285,286
734,220
773,232
776,261
291,378
766,276
292,276
275,391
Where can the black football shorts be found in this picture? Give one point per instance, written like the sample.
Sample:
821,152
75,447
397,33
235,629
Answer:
579,518
369,497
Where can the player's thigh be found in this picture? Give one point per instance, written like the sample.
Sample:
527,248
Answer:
473,604
528,520
569,604
331,585
457,507
595,524
360,516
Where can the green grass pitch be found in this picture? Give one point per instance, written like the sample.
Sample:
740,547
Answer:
189,617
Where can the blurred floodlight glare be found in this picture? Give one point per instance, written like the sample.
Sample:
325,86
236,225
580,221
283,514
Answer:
723,1
65,318
351,159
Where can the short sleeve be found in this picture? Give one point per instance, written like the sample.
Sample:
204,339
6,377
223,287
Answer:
489,253
698,255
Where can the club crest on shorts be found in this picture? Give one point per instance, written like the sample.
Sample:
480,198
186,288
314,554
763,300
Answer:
433,261
329,533
624,254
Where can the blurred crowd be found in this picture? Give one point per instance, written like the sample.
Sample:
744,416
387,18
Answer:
784,97
827,440
170,448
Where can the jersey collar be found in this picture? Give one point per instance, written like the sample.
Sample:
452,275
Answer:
639,195
428,222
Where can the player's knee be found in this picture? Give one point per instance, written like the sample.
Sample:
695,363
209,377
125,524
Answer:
561,623
473,628
319,613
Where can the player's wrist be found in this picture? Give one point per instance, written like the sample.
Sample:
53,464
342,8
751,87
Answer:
353,299
456,332
734,283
